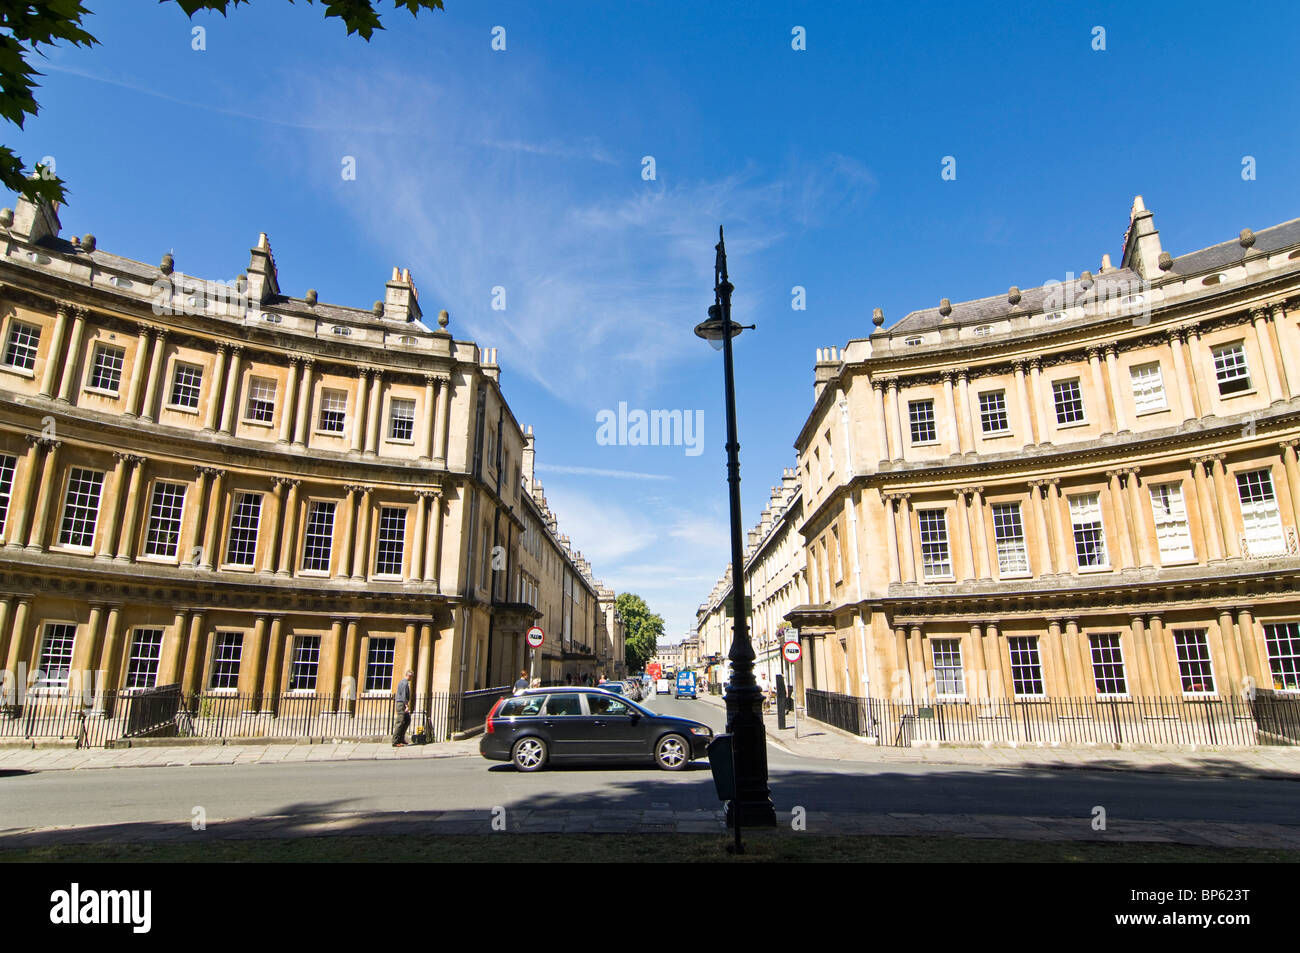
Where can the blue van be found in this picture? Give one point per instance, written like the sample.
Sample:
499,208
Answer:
686,684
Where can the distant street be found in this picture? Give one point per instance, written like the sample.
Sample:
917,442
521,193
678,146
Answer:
123,795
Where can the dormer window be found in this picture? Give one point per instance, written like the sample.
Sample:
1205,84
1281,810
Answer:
912,342
270,318
342,331
984,330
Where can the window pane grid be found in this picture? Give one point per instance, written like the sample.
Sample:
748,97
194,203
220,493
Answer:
993,412
1283,641
921,413
1260,518
225,660
402,422
81,508
242,548
1069,401
392,537
7,466
379,666
1026,667
319,537
146,650
333,410
934,543
1009,533
1148,388
56,655
20,351
306,663
1170,513
1089,538
1230,369
261,400
186,382
1108,664
1194,668
165,519
948,676
106,371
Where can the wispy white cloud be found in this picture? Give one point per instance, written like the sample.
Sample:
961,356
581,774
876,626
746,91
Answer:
596,471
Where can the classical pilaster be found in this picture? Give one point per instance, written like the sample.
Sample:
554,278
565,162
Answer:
415,572
1099,391
908,554
1186,394
997,676
1139,508
85,652
138,362
1043,431
50,373
215,389
1247,644
1198,355
1028,428
305,387
1210,532
891,525
130,528
433,556
1163,656
190,551
443,424
348,524
20,636
895,419
1288,343
73,358
957,436
212,528
1231,545
45,494
1122,521
1259,321
962,513
289,411
424,671
1116,388
372,412
1142,659
112,502
16,527
1065,555
271,518
1081,654
290,535
1292,472
196,653
173,654
228,408
274,665
361,557
253,666
149,411
110,659
965,411
916,655
981,541
1057,677
1038,502
359,416
348,687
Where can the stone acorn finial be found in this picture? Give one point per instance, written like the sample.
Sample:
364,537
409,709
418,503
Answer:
311,296
6,217
878,317
443,318
1085,280
87,242
377,309
945,307
1013,294
1247,238
167,264
1165,261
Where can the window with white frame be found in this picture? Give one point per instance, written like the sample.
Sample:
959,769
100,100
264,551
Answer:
165,510
1068,400
106,368
241,549
318,540
401,419
225,661
1170,512
1026,666
1108,664
949,680
1283,642
1089,536
1260,518
7,466
55,661
1009,534
20,349
81,507
993,411
333,410
306,662
391,541
261,401
379,665
1230,368
935,562
921,414
146,651
1148,387
1195,670
187,381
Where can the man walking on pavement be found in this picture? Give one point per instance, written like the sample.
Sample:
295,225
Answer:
402,702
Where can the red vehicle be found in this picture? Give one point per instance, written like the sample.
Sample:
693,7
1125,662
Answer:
655,670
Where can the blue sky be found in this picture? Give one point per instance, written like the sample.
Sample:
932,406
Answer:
523,169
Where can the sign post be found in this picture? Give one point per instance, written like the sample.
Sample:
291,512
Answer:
535,638
791,651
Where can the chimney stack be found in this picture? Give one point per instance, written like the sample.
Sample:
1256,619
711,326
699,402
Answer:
401,297
1142,243
33,222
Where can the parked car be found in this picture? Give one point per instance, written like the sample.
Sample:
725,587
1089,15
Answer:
541,725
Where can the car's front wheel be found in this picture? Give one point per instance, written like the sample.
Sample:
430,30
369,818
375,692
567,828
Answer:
672,752
529,754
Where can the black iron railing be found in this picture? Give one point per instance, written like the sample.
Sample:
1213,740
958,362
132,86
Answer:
471,709
1268,718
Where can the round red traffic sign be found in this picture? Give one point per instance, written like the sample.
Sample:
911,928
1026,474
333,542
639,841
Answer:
791,651
536,636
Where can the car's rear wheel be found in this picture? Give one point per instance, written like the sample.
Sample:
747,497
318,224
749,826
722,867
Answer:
672,752
529,754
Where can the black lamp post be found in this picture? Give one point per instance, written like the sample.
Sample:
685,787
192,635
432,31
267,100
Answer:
752,805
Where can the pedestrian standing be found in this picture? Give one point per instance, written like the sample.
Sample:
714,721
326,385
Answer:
402,704
521,683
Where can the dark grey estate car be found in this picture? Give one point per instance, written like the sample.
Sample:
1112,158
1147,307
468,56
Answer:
540,725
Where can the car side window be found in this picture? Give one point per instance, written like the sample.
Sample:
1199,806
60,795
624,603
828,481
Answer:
563,705
602,705
521,705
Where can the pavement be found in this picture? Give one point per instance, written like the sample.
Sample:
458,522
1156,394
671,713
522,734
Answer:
812,739
155,756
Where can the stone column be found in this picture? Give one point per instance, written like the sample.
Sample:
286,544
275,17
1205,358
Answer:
1186,393
130,526
1292,470
196,654
215,390
304,402
359,416
138,363
902,666
48,489
1028,425
52,363
1144,543
1209,523
962,514
1046,565
190,554
957,437
110,659
1259,321
20,499
361,556
288,414
1116,388
916,656
252,666
228,409
1000,685
1121,521
1144,659
19,638
1163,657
85,654
274,666
1099,391
334,646
173,654
1063,548
1231,544
908,555
1198,353
73,357
424,671
878,387
6,610
1288,343
410,655
415,572
347,526
149,411
1248,645
965,428
212,529
433,557
978,684
430,416
443,420
895,419
272,518
985,562
372,417
1060,682
1085,683
112,501
891,525
290,536
348,686
1044,418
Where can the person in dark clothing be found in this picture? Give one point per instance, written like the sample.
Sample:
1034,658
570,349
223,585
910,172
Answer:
402,704
521,683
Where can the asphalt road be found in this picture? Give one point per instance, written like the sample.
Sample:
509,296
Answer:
114,796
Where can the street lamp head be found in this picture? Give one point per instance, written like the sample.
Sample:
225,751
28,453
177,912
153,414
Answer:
712,329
